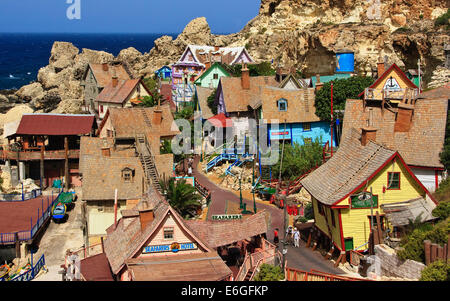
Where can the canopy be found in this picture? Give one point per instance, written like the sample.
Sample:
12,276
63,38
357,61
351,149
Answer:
220,120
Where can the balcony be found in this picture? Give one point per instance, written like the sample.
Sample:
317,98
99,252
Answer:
391,95
36,155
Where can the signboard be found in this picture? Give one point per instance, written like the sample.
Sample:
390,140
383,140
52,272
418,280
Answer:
280,134
174,247
392,85
358,203
226,217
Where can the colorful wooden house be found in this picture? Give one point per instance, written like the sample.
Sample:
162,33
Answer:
392,85
195,60
211,77
361,165
164,73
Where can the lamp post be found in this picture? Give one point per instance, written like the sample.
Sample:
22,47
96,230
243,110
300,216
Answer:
241,206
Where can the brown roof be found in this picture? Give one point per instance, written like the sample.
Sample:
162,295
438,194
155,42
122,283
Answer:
202,96
129,121
238,99
192,267
225,55
350,167
96,268
119,93
102,175
300,105
401,213
221,233
127,239
418,147
103,78
441,92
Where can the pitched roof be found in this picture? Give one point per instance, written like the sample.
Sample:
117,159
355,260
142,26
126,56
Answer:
120,92
202,96
351,166
399,71
221,233
55,124
195,267
129,121
220,120
424,141
401,213
238,99
299,83
126,240
300,105
210,69
103,78
441,92
204,53
96,268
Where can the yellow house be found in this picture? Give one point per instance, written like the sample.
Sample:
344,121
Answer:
361,165
392,85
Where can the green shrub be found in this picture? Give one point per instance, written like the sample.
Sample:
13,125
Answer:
443,20
302,219
211,102
269,272
309,211
442,211
437,271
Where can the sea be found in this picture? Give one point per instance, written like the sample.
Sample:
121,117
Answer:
23,54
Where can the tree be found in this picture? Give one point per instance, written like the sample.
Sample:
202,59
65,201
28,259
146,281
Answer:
445,154
152,100
343,89
211,102
182,196
269,272
437,271
261,69
298,159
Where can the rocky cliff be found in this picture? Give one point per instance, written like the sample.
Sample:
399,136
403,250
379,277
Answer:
300,33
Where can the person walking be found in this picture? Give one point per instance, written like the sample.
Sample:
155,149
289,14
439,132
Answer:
296,238
275,236
288,238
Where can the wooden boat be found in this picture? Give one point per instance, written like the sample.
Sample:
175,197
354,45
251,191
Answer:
66,198
4,271
59,211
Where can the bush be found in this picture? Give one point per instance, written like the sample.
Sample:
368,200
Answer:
442,211
269,272
309,211
302,219
443,20
211,102
437,271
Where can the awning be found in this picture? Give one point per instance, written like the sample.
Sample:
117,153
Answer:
220,120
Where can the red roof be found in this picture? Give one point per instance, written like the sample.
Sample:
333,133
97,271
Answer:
55,124
385,73
96,268
220,120
166,92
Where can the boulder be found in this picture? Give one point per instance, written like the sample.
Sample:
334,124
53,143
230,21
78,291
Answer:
29,92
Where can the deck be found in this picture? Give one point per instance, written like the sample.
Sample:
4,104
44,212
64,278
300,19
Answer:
36,155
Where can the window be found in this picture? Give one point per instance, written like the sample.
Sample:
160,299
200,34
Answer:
168,233
127,174
393,181
333,221
282,105
374,218
101,108
320,208
306,127
216,76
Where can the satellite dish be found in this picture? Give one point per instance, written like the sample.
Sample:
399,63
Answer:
364,196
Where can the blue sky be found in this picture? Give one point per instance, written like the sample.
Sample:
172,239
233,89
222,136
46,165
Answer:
124,16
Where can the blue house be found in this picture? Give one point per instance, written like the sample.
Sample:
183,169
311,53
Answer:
164,72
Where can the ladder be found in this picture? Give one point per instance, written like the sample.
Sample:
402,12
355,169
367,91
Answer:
148,162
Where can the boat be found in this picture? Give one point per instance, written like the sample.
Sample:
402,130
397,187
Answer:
4,271
59,211
66,198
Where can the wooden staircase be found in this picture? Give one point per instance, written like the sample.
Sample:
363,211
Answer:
249,274
148,162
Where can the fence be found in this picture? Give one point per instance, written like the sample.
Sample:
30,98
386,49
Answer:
20,197
314,275
25,235
434,252
29,275
202,190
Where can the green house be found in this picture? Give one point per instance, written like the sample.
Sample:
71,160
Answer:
211,77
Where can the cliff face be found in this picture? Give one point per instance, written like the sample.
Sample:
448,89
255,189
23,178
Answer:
301,33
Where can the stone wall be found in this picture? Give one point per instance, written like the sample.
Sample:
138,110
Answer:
392,266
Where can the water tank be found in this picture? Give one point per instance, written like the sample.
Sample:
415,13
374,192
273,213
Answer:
345,61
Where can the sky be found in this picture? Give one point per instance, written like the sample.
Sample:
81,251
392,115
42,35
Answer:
123,16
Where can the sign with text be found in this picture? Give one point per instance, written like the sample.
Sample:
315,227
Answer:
226,217
174,247
358,203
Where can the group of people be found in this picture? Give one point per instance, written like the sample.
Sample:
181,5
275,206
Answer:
292,236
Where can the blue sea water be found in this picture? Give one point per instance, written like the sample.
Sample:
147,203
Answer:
23,54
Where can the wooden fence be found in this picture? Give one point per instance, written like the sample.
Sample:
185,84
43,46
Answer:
434,252
315,275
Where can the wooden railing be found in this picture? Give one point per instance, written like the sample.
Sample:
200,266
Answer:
202,190
84,252
315,275
36,155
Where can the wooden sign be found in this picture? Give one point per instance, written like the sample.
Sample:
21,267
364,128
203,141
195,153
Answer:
358,203
226,217
174,247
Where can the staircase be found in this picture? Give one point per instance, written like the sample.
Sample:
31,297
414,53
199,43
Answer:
249,274
145,116
237,163
148,162
219,159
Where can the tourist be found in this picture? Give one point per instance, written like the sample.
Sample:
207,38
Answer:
275,236
288,238
296,238
190,171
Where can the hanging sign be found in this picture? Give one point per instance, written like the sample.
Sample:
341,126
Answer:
358,202
226,217
174,247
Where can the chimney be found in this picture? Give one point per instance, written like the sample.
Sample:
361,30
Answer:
245,77
106,149
404,117
208,64
105,66
216,48
380,67
157,116
368,134
115,81
319,85
146,214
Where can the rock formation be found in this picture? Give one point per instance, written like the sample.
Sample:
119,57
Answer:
300,33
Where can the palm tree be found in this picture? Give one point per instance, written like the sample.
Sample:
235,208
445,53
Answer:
182,196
